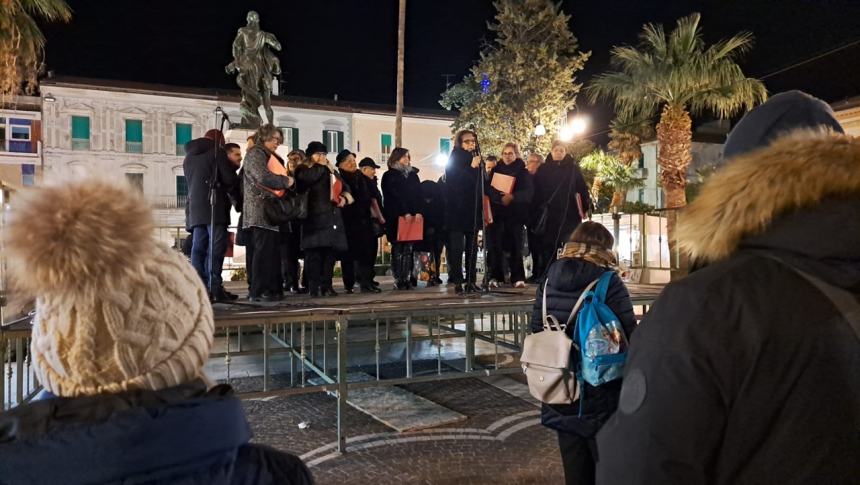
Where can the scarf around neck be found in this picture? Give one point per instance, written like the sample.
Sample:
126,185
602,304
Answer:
590,253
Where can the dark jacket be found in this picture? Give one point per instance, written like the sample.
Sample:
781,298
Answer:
402,195
462,192
743,372
557,185
200,154
567,277
256,174
323,227
517,212
182,434
356,216
373,184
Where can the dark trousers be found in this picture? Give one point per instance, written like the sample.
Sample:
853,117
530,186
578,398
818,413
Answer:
264,267
538,265
369,258
249,261
319,267
505,237
402,263
211,276
578,456
356,268
438,244
458,243
290,249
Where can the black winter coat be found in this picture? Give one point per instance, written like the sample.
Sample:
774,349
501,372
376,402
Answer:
517,212
356,216
402,195
200,154
183,434
462,191
323,227
557,185
743,372
566,279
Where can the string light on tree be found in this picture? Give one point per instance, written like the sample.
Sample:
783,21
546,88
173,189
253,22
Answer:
485,83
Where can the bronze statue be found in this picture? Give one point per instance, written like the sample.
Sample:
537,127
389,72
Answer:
256,65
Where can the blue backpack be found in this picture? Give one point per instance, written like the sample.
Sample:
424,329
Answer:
599,337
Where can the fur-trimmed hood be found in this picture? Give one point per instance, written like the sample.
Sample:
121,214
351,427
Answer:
743,199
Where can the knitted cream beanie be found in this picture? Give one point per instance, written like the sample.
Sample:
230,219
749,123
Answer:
115,308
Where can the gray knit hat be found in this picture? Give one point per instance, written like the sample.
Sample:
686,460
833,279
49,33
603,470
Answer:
115,308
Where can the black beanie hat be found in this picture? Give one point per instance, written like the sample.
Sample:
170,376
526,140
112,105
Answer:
315,147
342,156
781,114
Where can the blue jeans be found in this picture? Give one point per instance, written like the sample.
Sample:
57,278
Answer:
200,254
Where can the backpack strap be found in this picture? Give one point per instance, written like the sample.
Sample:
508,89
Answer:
579,302
603,286
844,301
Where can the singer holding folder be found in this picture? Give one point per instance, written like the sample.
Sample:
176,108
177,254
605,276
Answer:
510,191
401,191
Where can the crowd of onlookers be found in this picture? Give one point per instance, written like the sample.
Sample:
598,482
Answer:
517,206
745,371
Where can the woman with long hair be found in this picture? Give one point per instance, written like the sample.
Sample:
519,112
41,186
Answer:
401,191
463,210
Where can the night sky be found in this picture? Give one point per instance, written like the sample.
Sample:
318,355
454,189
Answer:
349,47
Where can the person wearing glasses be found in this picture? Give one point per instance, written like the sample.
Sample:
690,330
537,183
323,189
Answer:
510,213
463,210
260,182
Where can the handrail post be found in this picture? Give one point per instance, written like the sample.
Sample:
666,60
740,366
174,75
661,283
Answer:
341,326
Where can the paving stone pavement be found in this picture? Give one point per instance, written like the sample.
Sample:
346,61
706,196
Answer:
501,442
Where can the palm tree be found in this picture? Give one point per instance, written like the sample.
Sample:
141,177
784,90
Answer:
678,74
401,41
626,133
22,44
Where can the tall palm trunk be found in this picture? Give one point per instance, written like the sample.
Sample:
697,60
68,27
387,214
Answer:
401,41
674,145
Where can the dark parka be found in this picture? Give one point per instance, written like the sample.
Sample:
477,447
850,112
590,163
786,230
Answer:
255,173
356,216
182,435
743,372
517,212
401,191
462,190
323,227
566,177
200,154
567,277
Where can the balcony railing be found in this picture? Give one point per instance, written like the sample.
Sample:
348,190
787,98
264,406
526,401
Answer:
133,147
180,149
169,202
80,144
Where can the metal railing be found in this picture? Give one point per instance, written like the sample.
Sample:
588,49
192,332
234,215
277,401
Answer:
168,201
80,144
134,147
18,383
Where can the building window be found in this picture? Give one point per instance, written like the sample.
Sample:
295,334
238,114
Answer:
641,195
20,133
445,146
3,139
80,132
181,191
386,142
28,175
333,140
134,136
183,136
291,138
135,180
16,135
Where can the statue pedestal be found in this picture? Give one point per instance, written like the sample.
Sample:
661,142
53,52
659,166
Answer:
239,136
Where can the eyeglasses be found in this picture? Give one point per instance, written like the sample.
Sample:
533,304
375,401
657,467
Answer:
277,140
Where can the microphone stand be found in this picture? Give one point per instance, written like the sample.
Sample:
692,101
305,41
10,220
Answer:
213,182
482,167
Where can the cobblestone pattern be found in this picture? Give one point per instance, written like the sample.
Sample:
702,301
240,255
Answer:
516,450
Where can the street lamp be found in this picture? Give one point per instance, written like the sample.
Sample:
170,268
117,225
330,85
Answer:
540,130
575,127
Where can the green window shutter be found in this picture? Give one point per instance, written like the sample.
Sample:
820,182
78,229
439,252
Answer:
325,140
134,131
181,186
445,145
339,141
183,133
81,127
295,135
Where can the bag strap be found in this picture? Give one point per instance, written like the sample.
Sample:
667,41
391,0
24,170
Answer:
572,312
844,301
603,286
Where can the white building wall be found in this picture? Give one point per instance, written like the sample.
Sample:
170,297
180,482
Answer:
706,156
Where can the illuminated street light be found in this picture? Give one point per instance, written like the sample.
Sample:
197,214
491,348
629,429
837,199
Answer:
576,127
441,159
540,130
